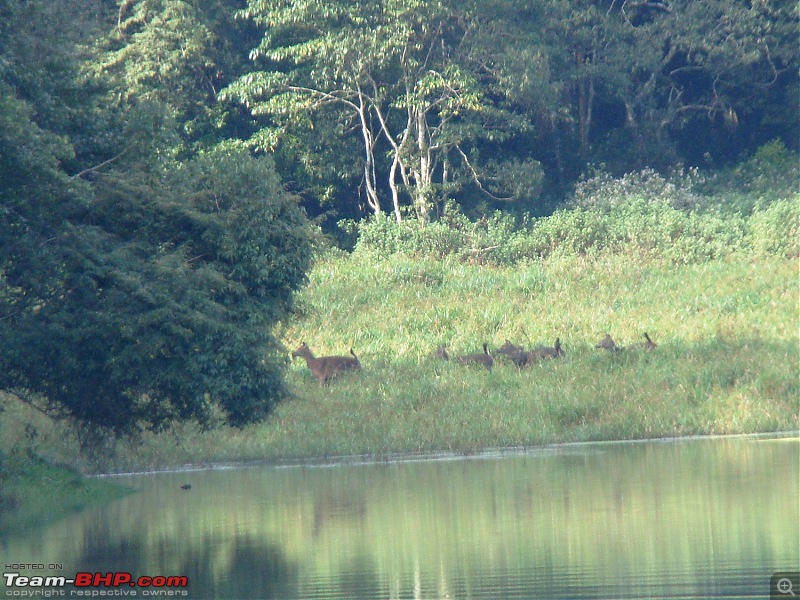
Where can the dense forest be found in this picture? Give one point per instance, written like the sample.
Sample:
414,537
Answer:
166,166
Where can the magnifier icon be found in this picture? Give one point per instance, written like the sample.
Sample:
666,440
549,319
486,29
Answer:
784,586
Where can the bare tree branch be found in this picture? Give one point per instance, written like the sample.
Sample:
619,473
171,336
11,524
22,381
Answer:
101,165
477,179
23,397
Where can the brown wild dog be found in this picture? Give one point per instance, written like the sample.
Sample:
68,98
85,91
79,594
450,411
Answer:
326,367
515,353
441,353
648,344
607,343
483,358
510,349
545,352
553,352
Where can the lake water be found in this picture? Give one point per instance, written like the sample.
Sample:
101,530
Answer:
696,518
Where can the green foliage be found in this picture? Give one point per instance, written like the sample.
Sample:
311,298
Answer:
603,192
164,50
514,179
41,51
436,92
30,156
136,290
26,503
155,305
177,54
640,227
641,213
403,75
775,230
770,174
496,239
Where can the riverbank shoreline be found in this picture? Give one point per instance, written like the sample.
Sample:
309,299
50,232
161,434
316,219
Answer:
487,454
27,505
35,492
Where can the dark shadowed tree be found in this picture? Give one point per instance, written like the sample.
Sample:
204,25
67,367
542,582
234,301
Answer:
153,302
136,289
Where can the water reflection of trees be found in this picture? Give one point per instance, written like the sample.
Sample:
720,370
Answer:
450,528
257,570
254,568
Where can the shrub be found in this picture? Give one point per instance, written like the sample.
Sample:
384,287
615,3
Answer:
495,239
641,213
603,192
775,229
642,227
158,308
770,174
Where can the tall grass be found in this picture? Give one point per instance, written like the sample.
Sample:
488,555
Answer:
716,290
726,362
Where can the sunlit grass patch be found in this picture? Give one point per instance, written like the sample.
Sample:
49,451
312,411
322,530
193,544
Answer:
726,360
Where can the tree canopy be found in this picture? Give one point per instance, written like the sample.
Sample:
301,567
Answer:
447,98
140,283
408,76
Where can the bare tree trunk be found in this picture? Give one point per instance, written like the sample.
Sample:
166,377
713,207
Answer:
393,186
439,203
369,163
423,177
585,94
397,160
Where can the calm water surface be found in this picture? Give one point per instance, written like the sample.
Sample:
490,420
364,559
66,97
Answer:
698,518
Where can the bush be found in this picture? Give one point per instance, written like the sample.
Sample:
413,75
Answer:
641,213
497,239
635,226
603,192
776,228
639,226
770,174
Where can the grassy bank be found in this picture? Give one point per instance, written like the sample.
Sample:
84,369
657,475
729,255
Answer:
726,360
36,492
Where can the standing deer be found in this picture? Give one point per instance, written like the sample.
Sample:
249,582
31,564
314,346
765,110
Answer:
326,367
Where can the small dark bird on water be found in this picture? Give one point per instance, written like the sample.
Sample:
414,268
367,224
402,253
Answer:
186,486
